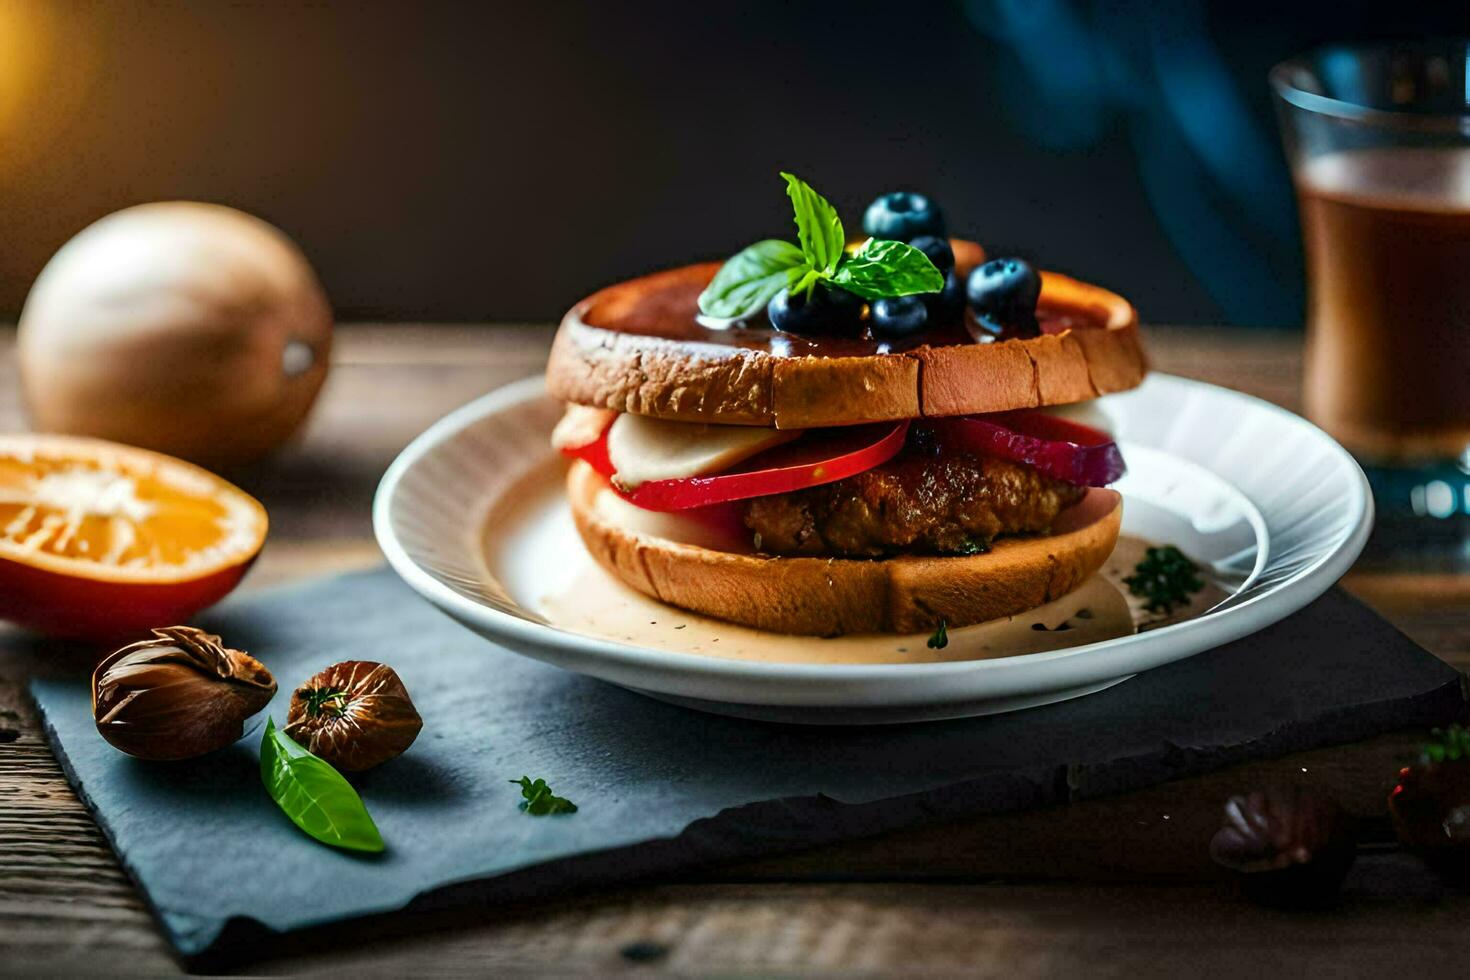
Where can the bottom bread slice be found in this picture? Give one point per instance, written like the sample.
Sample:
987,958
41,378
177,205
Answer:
831,596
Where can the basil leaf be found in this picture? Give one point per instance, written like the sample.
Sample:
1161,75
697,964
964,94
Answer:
750,278
314,795
817,225
881,268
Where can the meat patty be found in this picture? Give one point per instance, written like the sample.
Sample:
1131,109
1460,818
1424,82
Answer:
945,502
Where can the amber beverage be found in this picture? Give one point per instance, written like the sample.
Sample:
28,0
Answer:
1387,237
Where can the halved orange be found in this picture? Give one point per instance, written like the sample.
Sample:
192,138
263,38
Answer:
101,540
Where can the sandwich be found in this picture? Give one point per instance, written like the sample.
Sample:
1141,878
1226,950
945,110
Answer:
889,434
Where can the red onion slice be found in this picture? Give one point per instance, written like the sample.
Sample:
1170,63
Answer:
1055,446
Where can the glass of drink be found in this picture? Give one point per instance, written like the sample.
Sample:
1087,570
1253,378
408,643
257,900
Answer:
1378,139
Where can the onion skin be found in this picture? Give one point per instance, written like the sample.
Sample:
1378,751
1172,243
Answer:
192,329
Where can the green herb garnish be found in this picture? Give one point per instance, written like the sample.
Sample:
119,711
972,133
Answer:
314,795
881,268
878,269
1166,578
324,700
940,639
1447,745
749,280
539,800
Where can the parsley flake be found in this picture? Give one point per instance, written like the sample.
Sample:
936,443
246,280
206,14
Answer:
1166,578
940,639
539,799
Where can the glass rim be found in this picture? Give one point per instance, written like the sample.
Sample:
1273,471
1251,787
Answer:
1289,92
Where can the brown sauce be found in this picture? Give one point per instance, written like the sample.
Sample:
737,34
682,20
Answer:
669,310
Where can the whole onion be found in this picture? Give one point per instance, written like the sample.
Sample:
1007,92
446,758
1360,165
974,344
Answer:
192,329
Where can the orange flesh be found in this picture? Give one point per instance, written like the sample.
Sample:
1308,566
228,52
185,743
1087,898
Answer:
104,511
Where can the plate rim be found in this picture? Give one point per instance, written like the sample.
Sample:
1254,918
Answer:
1147,650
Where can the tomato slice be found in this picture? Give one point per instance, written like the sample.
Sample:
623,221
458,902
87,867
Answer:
818,457
1055,446
594,454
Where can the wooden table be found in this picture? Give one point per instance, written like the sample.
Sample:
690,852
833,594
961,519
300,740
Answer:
1114,886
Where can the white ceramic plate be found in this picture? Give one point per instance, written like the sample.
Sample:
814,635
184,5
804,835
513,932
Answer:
1276,508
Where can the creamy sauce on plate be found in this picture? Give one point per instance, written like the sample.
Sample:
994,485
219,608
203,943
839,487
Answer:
595,604
530,540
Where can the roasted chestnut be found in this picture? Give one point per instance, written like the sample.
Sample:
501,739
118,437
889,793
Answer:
355,715
179,695
1289,848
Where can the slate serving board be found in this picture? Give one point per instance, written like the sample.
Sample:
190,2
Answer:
663,788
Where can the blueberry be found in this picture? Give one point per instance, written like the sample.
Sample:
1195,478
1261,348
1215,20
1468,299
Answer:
827,310
788,313
947,305
847,307
1004,292
902,216
899,317
985,329
937,249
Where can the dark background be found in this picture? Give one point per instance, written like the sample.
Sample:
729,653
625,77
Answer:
496,161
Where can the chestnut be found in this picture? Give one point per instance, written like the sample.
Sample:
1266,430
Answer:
178,695
355,715
1289,847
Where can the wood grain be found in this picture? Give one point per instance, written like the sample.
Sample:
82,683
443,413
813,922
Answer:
1114,886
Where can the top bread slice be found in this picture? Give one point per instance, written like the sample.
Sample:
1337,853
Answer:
607,354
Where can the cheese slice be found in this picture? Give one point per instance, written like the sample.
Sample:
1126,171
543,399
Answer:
643,449
580,426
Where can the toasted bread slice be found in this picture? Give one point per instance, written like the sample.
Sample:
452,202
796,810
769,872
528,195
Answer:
634,347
